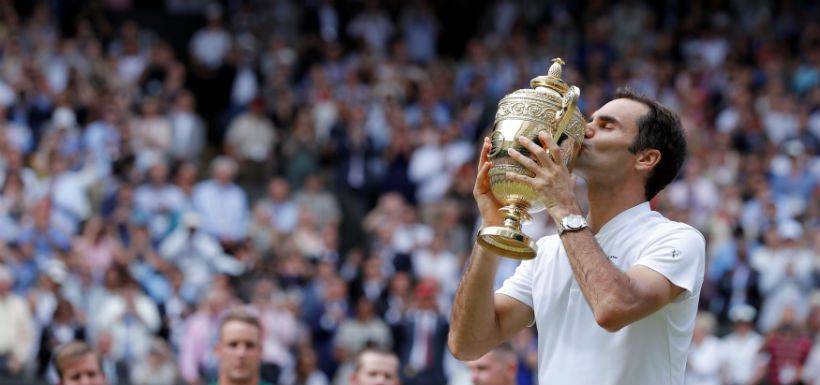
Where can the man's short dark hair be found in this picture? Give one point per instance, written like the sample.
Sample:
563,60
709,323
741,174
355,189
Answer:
661,129
240,314
72,351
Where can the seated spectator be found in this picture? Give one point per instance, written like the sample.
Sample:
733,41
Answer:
157,367
741,347
64,328
222,204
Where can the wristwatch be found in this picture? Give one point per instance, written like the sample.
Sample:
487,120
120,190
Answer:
572,223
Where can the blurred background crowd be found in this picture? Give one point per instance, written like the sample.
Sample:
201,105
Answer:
162,160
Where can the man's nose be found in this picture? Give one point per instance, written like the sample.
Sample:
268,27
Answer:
589,130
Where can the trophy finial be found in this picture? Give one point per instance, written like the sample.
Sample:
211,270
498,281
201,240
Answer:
553,78
555,68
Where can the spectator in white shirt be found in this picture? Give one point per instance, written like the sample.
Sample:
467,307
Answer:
703,364
210,45
741,348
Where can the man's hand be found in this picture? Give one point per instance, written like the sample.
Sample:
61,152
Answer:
552,178
488,205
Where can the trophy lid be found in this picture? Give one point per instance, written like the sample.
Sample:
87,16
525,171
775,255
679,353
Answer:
553,78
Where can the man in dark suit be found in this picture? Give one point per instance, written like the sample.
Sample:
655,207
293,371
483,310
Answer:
421,338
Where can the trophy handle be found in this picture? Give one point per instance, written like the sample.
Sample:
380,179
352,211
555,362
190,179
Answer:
564,115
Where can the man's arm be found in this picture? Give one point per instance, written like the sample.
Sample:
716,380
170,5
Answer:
617,299
481,320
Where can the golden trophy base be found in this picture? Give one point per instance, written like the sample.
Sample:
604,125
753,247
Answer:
507,242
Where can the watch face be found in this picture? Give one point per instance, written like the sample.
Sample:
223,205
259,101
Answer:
574,222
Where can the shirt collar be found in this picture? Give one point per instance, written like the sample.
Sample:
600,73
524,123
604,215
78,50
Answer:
624,217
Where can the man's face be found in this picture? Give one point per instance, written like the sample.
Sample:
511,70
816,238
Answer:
83,371
611,131
239,352
491,370
376,369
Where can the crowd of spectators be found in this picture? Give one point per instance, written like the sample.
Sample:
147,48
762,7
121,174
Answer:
315,161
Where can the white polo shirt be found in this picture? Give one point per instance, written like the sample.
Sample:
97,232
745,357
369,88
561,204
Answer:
572,348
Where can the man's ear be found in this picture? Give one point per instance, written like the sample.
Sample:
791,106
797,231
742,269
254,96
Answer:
647,159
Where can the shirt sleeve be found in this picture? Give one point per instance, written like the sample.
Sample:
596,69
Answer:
519,285
679,255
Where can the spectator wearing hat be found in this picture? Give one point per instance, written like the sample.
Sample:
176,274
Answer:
741,347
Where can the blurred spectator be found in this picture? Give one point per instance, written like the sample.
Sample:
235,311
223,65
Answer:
314,197
421,339
788,348
64,328
76,363
786,275
132,319
97,246
372,26
42,239
151,132
375,366
159,200
250,140
370,282
222,204
278,206
197,362
361,331
499,366
280,330
325,318
704,361
307,370
16,328
436,263
157,367
188,139
739,284
239,348
210,45
741,347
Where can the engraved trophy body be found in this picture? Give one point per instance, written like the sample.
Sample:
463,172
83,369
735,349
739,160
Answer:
552,106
